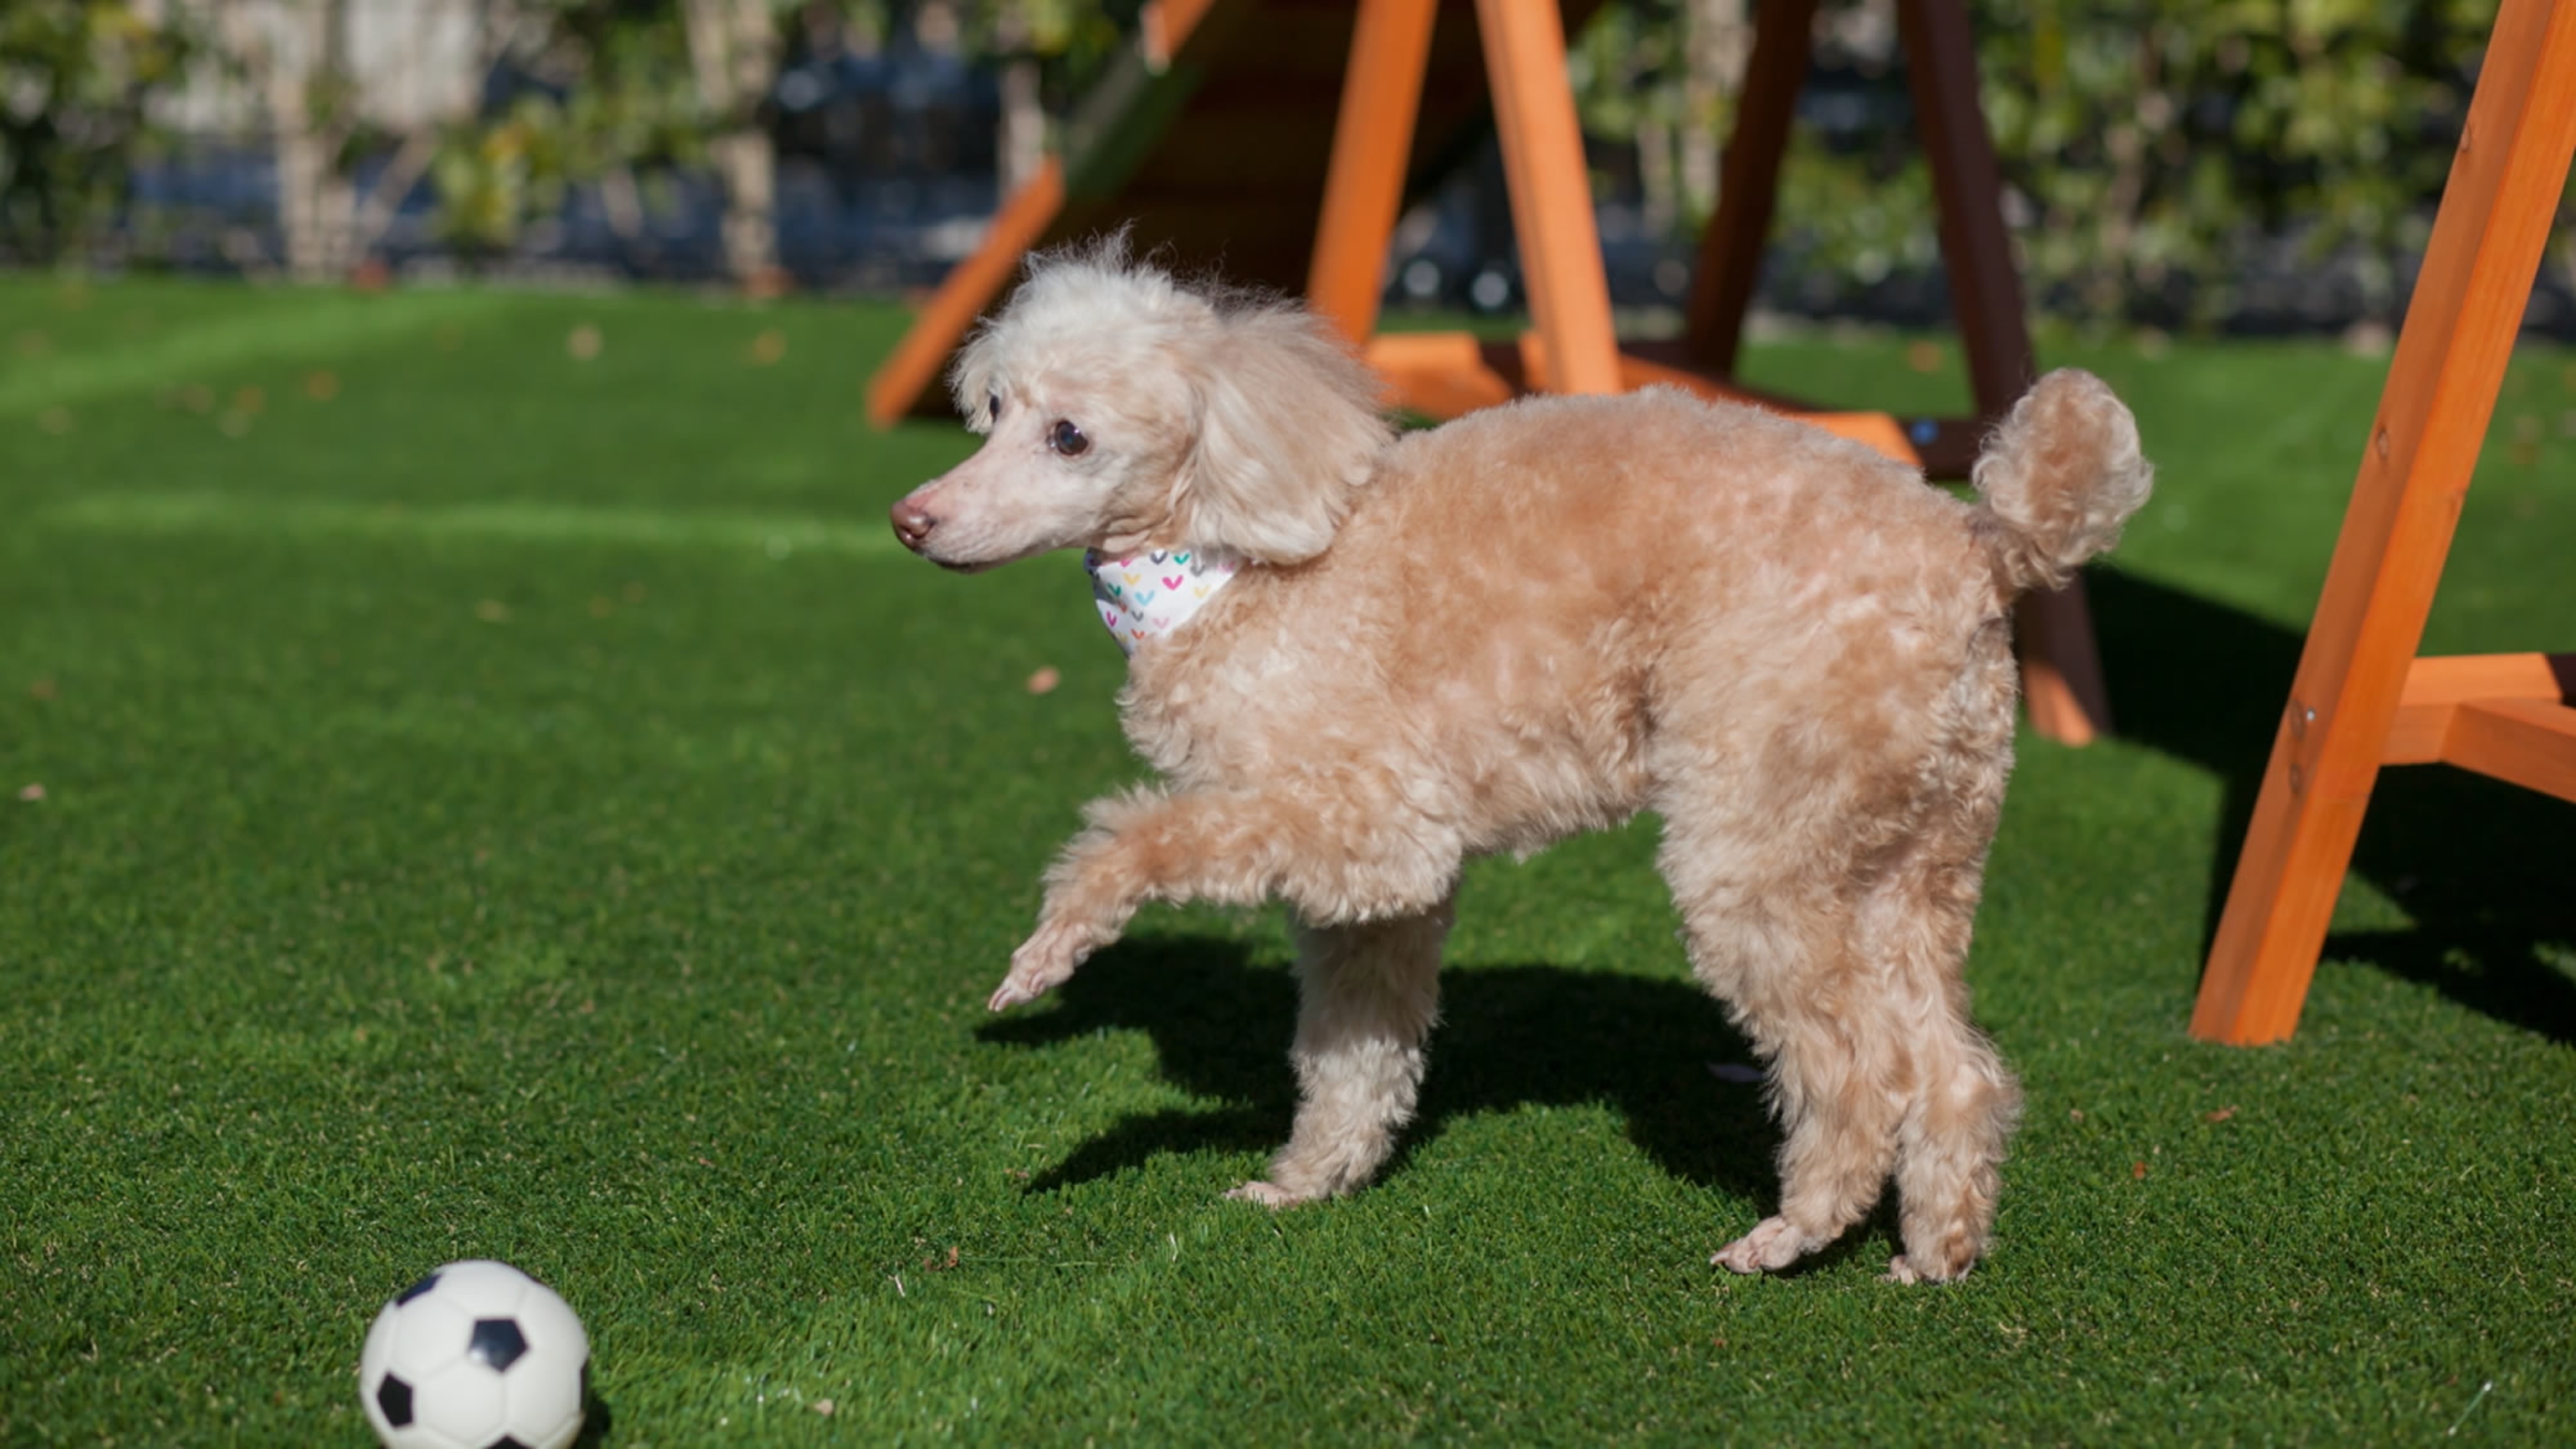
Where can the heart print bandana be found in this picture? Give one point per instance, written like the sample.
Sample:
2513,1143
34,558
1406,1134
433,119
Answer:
1148,595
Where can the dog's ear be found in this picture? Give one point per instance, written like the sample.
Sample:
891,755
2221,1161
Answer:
972,377
1289,427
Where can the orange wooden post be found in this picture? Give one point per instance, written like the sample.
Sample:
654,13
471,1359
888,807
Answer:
2359,664
1569,290
1372,141
970,287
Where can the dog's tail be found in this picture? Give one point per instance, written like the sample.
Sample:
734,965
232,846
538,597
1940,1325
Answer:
2058,478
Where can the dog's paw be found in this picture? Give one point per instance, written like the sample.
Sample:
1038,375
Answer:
1772,1245
1270,1195
1044,962
1901,1269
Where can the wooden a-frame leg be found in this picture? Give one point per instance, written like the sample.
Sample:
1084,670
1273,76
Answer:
2433,415
1748,185
1976,250
2060,664
1569,290
1372,145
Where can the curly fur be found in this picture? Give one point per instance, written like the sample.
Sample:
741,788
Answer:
1538,620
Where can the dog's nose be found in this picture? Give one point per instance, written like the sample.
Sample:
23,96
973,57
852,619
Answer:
913,524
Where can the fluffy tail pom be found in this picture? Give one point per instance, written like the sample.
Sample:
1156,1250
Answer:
2058,479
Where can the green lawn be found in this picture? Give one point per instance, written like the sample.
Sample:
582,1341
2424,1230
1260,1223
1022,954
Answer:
498,803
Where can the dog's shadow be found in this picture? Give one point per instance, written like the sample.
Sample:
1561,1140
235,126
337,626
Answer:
1508,1036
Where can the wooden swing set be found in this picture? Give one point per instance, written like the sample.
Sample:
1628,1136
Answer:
1203,140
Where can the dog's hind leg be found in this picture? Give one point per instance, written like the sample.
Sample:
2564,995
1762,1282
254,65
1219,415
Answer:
1368,995
1917,919
1770,933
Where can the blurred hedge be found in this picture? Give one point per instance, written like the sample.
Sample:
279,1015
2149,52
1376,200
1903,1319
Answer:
2151,146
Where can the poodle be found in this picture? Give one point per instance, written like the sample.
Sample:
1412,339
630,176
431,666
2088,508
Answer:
1359,658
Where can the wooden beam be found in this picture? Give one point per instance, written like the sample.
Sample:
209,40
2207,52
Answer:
1748,185
1440,375
2487,239
2437,686
2062,681
1372,143
2061,665
914,367
1877,430
1976,250
2525,742
1164,26
1551,192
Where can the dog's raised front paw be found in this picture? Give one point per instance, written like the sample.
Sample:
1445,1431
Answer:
1772,1245
1044,962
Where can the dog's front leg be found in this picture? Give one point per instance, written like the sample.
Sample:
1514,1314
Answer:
1340,860
1368,993
1141,847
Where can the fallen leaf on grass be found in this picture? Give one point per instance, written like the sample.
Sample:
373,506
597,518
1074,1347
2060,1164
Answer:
2137,1172
934,1265
584,343
768,347
1045,680
2221,1115
2074,1114
249,399
32,792
822,1406
492,611
322,386
41,689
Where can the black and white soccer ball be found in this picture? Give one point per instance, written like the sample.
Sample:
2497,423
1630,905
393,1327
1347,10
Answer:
477,1355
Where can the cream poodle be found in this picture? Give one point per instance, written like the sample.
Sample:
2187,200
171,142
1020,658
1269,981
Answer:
1359,658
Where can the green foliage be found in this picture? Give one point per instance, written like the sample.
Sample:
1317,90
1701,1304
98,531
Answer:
621,97
2146,140
76,77
2150,137
1070,40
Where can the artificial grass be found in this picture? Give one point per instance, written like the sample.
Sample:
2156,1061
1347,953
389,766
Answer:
496,803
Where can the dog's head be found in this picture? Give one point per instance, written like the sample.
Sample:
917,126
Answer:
1123,411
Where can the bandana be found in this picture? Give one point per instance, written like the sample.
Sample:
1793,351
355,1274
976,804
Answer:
1148,595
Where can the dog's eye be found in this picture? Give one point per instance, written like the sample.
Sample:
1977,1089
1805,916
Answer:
993,404
1068,439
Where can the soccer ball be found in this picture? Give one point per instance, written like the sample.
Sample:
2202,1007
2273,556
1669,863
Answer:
477,1355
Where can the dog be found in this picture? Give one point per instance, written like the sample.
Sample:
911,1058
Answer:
1358,658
